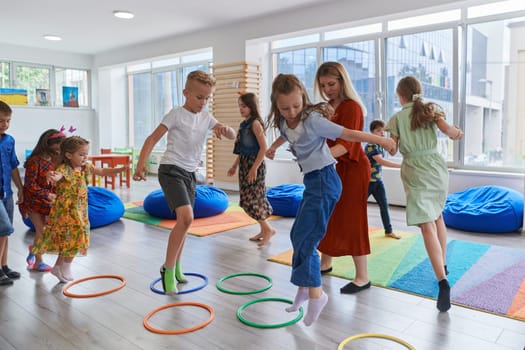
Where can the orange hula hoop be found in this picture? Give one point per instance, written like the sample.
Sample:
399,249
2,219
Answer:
67,293
178,331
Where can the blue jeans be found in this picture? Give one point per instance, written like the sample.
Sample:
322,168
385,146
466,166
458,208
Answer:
377,190
6,216
321,193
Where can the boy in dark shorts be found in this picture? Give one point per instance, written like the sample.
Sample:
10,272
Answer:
186,127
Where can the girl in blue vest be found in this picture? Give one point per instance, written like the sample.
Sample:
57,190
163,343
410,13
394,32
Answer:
250,146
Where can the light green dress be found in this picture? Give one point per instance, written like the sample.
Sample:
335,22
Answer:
423,170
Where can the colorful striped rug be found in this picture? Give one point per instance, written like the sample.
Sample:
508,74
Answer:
483,277
234,217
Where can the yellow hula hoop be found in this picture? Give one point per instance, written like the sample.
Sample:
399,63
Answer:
375,335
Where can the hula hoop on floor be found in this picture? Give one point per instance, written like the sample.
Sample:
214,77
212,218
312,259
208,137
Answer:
260,325
204,284
375,335
178,331
224,290
67,293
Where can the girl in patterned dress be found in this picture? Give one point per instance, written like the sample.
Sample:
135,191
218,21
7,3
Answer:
67,230
250,146
38,193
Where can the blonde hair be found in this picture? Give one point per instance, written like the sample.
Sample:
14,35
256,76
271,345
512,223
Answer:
201,77
285,84
338,71
423,114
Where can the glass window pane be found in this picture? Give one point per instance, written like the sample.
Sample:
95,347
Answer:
141,107
5,81
72,77
166,97
303,64
32,78
359,60
495,95
428,56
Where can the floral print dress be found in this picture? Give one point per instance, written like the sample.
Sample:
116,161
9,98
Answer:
67,230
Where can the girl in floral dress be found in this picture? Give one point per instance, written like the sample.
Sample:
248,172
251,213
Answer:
67,230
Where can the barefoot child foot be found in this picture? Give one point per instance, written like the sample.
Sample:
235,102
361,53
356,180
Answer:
266,238
257,237
393,235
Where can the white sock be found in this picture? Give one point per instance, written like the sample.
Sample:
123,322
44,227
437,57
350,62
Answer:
300,298
315,306
58,274
65,268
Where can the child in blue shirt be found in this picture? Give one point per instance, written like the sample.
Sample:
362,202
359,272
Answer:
306,128
8,171
376,188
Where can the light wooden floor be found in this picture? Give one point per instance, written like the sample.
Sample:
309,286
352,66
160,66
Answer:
34,314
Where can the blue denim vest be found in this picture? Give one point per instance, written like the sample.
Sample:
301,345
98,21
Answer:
246,143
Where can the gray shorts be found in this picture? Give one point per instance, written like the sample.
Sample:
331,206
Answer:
178,186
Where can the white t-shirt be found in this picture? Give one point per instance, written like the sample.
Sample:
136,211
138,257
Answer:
186,135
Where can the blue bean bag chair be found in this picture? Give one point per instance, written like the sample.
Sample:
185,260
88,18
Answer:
209,201
104,208
492,209
285,199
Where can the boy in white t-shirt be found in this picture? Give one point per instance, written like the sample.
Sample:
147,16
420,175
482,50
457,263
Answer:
187,127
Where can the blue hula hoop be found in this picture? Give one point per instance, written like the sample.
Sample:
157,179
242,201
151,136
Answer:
186,291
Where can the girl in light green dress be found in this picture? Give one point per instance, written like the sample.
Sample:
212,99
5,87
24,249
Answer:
424,173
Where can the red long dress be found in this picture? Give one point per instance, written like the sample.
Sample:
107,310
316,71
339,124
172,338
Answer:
347,232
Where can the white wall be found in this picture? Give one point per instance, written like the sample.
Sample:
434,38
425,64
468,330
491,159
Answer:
229,42
28,123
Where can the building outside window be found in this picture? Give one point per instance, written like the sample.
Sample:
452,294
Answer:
471,66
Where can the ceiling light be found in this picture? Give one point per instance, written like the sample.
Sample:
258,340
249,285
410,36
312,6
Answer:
123,14
52,37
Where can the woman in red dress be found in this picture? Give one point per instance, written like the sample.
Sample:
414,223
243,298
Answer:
347,232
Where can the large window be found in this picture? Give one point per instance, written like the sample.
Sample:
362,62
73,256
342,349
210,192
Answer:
72,77
359,60
302,63
31,78
35,77
5,80
155,88
427,56
470,60
495,94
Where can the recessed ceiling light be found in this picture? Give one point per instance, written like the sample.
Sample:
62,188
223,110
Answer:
52,37
123,14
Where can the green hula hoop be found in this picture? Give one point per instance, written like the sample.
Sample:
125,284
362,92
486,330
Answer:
375,335
260,325
224,290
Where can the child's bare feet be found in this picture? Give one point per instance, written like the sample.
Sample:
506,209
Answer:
393,235
266,238
257,237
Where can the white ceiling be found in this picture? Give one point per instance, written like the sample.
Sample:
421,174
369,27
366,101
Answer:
89,27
